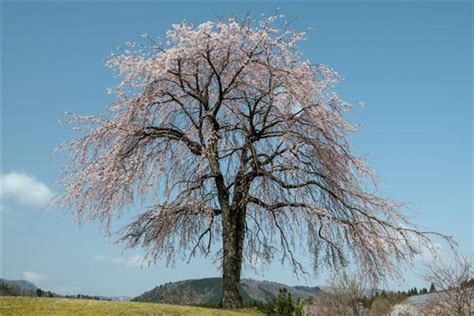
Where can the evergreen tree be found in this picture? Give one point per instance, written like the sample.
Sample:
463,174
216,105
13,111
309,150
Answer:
283,305
432,288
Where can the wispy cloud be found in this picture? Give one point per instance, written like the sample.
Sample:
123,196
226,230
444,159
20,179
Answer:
25,189
135,261
34,277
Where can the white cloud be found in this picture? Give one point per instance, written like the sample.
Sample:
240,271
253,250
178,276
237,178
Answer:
34,277
135,261
25,189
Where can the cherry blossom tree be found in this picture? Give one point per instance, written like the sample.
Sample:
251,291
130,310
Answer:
343,296
240,147
455,285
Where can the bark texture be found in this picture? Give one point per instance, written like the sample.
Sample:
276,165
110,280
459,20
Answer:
233,238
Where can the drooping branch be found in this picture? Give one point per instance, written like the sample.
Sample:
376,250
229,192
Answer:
171,133
227,118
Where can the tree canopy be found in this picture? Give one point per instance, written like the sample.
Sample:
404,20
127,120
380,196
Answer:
226,125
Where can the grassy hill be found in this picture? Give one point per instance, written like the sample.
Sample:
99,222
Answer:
22,305
208,292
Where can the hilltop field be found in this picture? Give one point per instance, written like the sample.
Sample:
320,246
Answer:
22,305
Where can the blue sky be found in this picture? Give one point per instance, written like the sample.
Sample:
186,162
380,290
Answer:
411,64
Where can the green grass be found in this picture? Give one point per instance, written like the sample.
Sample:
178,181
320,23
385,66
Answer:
22,305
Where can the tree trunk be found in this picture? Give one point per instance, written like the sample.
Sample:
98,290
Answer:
233,238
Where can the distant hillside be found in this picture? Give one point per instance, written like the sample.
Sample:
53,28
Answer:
208,292
17,287
26,288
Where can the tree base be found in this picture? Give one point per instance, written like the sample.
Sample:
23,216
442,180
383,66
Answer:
231,299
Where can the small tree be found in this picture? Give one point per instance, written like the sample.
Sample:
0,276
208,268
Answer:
39,292
432,288
345,295
241,146
300,307
284,305
454,295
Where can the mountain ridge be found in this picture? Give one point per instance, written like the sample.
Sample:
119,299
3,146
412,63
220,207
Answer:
27,288
17,287
207,291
